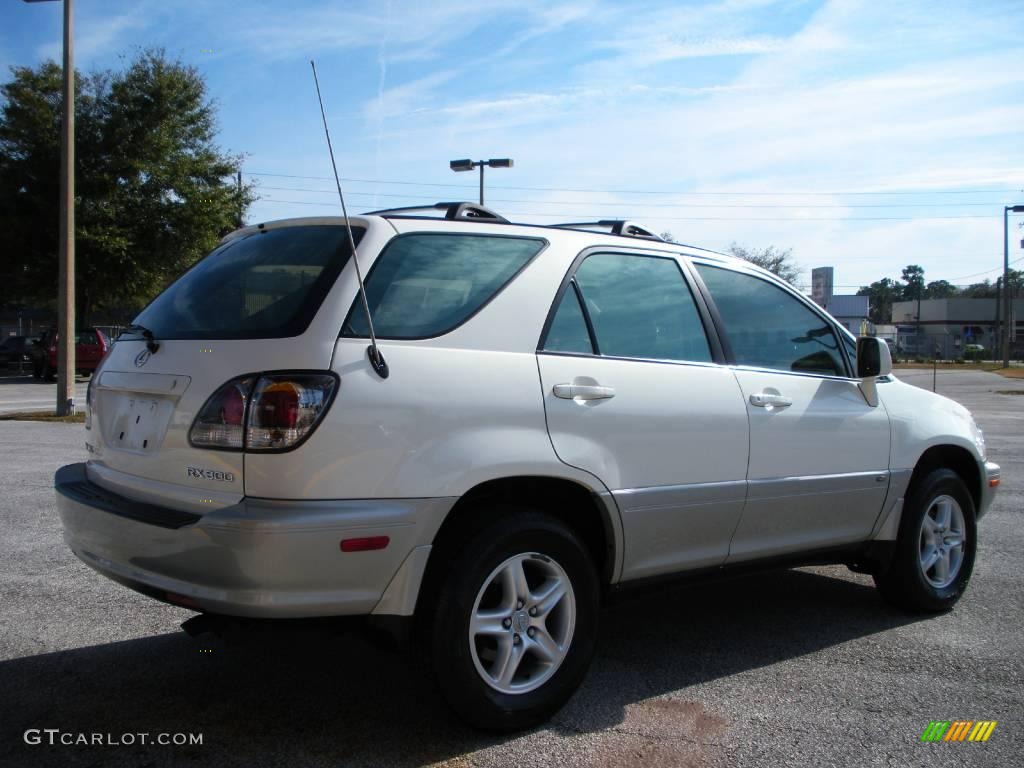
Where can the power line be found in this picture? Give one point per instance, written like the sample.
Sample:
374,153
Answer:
956,285
702,218
647,191
654,205
987,271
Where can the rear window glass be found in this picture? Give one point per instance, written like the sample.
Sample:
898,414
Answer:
265,285
426,284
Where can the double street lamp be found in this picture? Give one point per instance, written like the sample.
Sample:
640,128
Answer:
66,281
1008,209
469,165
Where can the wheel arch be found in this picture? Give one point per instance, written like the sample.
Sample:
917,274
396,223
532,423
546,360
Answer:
589,513
953,457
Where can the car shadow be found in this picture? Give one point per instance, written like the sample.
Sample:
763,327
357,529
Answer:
314,694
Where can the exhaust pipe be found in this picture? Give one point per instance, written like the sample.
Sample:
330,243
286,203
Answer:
225,628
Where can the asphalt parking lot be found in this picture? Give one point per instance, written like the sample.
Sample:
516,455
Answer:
803,667
20,392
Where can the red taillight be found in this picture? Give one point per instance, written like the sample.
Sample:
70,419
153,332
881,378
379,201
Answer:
365,544
266,412
232,407
286,408
278,406
221,422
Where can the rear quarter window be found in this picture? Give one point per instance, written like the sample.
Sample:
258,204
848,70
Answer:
427,284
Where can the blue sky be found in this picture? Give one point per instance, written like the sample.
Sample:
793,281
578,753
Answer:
741,120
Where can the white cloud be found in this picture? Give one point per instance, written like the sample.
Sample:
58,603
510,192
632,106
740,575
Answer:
862,97
96,36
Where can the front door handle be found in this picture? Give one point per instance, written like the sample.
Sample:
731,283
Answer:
770,400
582,392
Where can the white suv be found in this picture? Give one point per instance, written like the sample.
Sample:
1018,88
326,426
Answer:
558,411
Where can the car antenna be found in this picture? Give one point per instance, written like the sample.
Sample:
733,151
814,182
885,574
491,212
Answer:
372,352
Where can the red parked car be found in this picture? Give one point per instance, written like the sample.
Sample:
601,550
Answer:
91,344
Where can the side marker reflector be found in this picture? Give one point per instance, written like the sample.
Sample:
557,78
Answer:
184,600
365,544
993,482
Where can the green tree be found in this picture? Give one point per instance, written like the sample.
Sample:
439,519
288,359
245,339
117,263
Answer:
983,290
775,260
940,289
153,190
913,276
881,295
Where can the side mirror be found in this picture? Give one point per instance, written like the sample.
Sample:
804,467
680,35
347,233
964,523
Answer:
873,358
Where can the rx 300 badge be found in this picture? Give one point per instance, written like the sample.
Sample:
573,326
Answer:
210,474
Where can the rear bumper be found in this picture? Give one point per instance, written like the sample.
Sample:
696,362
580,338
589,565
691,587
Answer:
259,558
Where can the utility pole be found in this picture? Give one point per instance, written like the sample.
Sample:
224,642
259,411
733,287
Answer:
239,186
66,284
997,335
66,272
1007,209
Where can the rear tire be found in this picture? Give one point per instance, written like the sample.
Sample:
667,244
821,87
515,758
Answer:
935,548
48,373
515,624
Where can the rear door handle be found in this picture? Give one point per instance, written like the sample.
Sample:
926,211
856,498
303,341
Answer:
770,400
582,392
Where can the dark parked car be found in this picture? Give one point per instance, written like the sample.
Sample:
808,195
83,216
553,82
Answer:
91,344
14,349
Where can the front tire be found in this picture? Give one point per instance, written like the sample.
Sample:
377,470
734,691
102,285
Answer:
935,548
516,621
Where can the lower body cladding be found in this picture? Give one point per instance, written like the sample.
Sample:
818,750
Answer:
260,558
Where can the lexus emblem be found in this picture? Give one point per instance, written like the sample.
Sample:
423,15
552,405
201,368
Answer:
142,358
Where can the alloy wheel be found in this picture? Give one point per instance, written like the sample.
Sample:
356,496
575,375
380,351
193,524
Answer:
522,623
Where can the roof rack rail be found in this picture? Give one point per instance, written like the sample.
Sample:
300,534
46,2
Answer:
615,226
452,211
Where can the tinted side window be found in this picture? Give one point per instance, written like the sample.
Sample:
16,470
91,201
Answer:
568,331
427,284
640,306
769,328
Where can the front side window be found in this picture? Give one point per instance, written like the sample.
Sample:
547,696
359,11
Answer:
769,328
426,284
639,307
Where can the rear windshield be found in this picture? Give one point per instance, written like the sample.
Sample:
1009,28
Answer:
427,284
269,284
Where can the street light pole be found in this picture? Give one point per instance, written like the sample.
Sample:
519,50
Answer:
1007,209
469,165
66,270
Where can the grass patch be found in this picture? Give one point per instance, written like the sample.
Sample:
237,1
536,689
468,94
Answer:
1010,373
1009,391
947,366
75,418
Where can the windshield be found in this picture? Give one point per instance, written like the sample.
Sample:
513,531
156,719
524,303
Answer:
268,284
